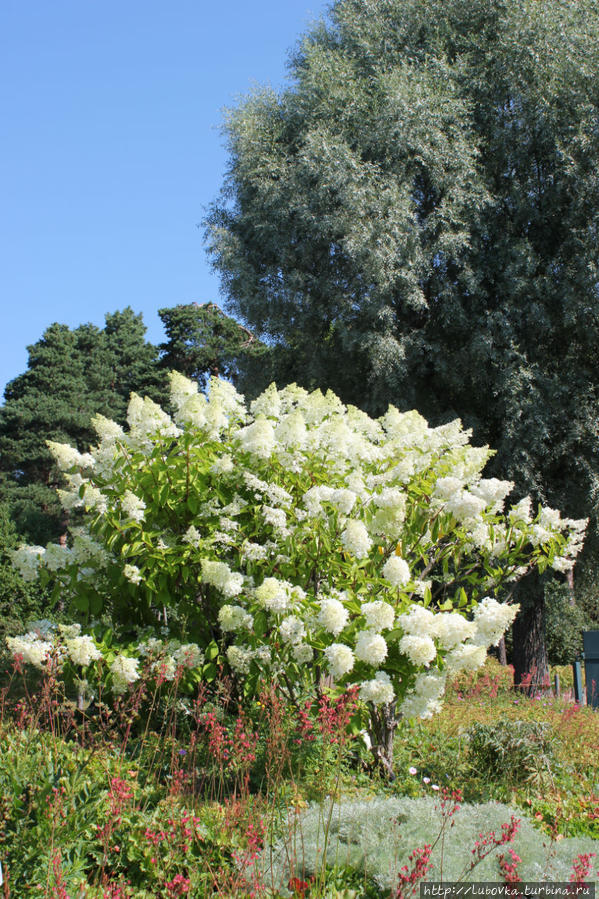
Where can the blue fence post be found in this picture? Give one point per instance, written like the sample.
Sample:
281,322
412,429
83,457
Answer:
590,640
577,670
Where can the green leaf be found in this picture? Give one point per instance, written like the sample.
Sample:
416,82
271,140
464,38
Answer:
260,623
211,651
96,604
81,603
209,671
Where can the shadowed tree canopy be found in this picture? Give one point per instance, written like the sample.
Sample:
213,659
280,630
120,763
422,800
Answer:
71,376
203,342
415,221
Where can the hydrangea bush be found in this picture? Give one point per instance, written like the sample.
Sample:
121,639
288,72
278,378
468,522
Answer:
300,538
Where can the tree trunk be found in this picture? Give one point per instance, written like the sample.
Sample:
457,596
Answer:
501,652
570,583
383,724
531,666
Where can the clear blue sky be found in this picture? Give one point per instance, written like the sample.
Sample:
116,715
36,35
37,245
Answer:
110,150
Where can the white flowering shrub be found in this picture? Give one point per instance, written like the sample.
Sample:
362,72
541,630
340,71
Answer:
300,538
89,665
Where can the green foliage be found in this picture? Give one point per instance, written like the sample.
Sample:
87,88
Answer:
415,216
203,342
564,622
64,809
20,602
512,752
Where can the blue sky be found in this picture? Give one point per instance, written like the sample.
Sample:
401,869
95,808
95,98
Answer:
110,150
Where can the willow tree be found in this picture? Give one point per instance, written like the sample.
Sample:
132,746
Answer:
415,218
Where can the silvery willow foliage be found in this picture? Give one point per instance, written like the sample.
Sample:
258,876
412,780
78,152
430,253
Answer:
301,538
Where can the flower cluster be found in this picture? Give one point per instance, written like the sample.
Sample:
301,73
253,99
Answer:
66,644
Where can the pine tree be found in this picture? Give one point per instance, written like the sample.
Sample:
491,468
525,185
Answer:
203,342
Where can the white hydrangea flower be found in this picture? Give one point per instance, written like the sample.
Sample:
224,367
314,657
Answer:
57,557
388,522
470,461
192,536
550,519
418,621
67,456
333,615
147,418
234,618
446,488
378,691
107,430
493,492
181,388
85,549
82,650
521,512
340,659
189,655
467,657
239,659
124,672
343,500
397,571
258,438
355,539
253,552
291,432
274,595
223,465
451,628
133,506
415,706
219,575
224,406
93,498
276,518
132,573
267,404
371,648
379,615
302,653
419,649
27,559
314,497
190,405
465,505
31,649
562,564
492,619
430,684
292,629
